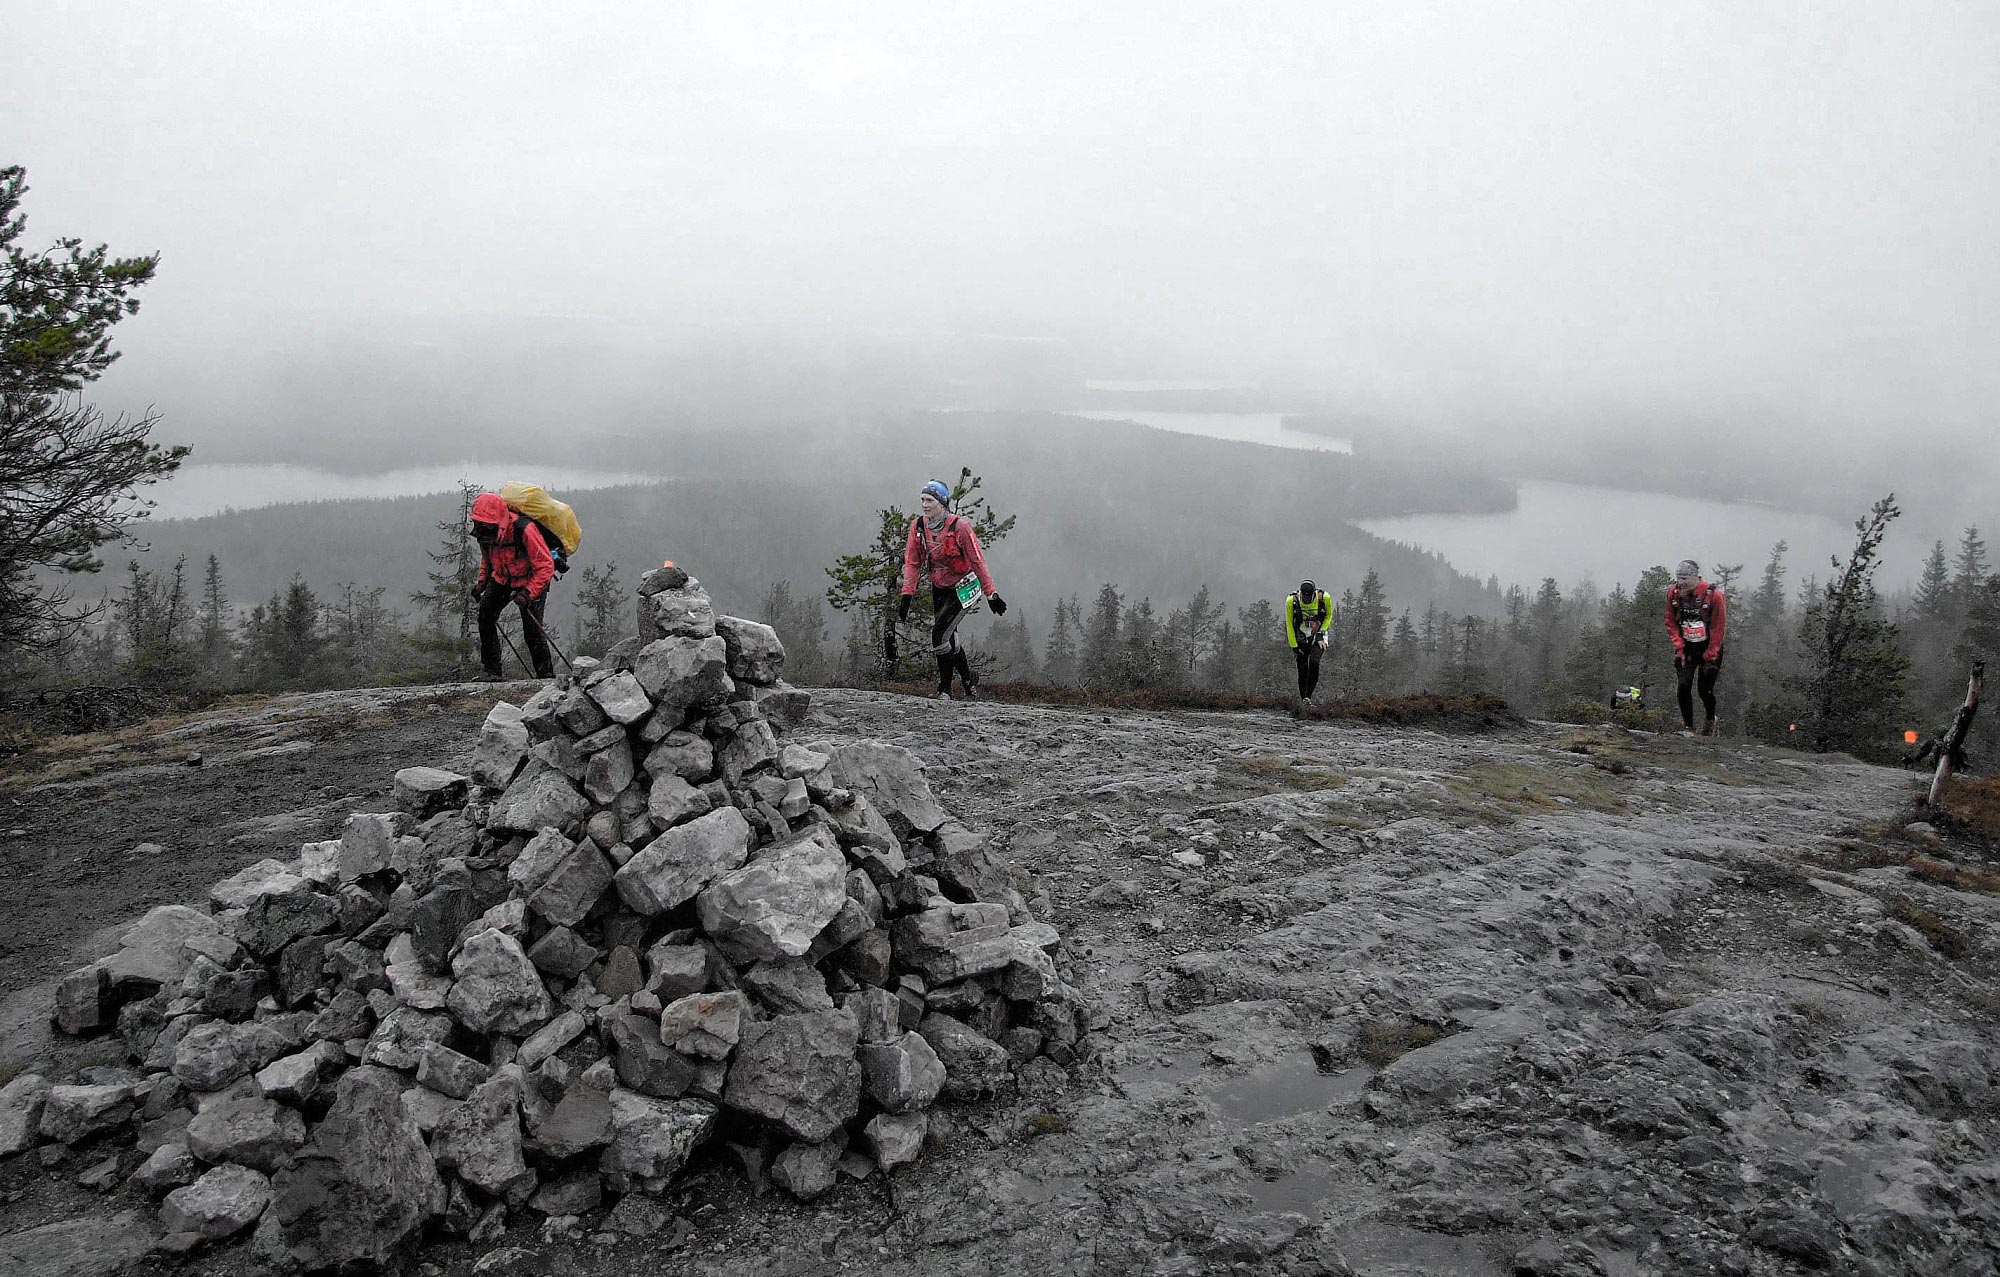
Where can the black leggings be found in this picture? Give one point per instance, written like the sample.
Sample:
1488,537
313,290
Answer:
1307,656
946,614
491,604
1691,673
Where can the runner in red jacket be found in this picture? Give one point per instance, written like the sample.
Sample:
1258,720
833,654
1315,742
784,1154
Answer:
945,543
514,564
1697,615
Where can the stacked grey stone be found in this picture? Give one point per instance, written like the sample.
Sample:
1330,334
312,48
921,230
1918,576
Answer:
642,924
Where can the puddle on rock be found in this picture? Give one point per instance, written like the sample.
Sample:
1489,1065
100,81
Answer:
1291,1084
1301,1191
1387,1250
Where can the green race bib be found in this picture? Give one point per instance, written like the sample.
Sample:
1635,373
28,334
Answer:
970,595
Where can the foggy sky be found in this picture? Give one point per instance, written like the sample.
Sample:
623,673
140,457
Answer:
1779,215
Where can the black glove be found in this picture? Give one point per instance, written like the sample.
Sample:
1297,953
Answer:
889,643
998,604
903,608
522,596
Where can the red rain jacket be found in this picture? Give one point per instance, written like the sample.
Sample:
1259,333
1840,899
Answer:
517,558
953,551
1703,606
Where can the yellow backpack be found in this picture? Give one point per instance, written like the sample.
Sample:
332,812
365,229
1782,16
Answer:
556,520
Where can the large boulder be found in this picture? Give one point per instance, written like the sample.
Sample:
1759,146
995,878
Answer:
608,772
567,894
652,1139
707,1025
672,800
496,989
755,654
798,1072
481,1140
683,860
902,1075
275,918
975,1066
621,698
540,797
364,1184
808,1170
21,1104
221,1203
425,791
247,1128
682,754
88,1247
674,607
893,781
644,1063
503,743
775,907
683,674
77,1112
954,942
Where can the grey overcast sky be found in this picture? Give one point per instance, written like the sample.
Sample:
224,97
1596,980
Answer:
1778,211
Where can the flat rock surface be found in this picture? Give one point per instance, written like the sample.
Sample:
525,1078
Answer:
1375,1001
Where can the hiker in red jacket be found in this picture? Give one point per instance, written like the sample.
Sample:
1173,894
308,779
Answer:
946,546
1697,615
514,564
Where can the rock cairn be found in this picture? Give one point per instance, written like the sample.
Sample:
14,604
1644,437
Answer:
643,924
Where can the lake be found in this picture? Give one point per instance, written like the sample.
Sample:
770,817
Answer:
197,490
1573,532
1267,428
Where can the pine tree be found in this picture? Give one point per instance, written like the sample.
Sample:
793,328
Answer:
599,599
1405,650
1013,651
451,609
1968,570
1100,654
1852,685
215,648
356,634
155,615
1061,668
1933,599
1545,620
1268,658
1140,661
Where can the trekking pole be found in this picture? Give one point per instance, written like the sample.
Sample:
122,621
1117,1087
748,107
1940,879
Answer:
550,640
509,641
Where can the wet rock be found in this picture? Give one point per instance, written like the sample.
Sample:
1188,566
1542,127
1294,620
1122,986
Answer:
562,953
652,1139
71,1113
367,844
751,746
573,886
683,674
503,743
577,1193
496,989
551,1038
643,1062
755,654
895,1139
706,1025
248,1129
672,801
798,1072
220,1204
788,988
540,797
304,1077
608,773
364,1184
578,714
481,1141
580,1121
774,907
784,706
541,856
893,782
975,1065
621,698
399,1040
346,1017
425,791
808,1170
902,1075
681,754
83,1000
276,918
954,942
676,970
246,884
684,860
21,1103
78,1247
621,975
449,1073
439,916
682,610
170,1166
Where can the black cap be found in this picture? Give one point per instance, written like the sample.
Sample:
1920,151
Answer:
1307,587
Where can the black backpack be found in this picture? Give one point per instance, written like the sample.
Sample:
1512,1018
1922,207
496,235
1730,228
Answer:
557,551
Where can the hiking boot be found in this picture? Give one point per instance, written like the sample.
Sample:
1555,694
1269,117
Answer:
972,691
944,696
488,676
1709,728
1685,731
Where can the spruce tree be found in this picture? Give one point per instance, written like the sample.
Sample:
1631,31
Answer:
1100,655
599,602
215,647
1061,667
1853,683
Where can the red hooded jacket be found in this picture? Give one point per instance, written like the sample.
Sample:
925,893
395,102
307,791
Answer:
516,557
1702,606
951,552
